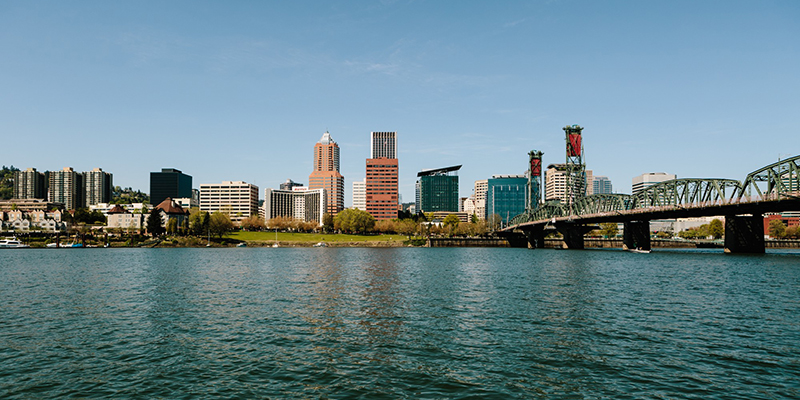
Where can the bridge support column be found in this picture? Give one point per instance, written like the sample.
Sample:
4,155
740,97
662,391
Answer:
744,233
573,235
535,237
636,235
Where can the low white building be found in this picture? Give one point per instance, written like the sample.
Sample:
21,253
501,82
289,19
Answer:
119,217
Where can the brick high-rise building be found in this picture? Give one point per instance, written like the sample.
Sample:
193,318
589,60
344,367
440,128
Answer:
382,175
326,174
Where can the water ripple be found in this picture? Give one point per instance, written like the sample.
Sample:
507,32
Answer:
398,323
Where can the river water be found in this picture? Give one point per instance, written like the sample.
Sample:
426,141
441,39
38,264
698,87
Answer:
398,323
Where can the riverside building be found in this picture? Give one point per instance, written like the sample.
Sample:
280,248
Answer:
300,203
644,181
506,196
66,186
360,195
326,173
99,186
382,172
238,199
437,190
30,184
601,185
170,182
480,197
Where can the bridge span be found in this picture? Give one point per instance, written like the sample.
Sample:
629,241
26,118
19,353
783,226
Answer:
773,188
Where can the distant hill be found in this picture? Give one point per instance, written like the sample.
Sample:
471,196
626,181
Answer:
7,182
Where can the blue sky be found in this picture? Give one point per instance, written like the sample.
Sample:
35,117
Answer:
243,90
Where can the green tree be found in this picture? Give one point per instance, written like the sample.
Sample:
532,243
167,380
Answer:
354,220
609,229
406,227
172,226
327,222
154,226
7,182
219,224
198,222
451,219
716,229
494,221
777,229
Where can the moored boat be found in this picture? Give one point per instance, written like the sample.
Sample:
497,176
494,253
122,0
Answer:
12,243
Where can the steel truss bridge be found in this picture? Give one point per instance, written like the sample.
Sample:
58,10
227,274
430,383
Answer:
773,188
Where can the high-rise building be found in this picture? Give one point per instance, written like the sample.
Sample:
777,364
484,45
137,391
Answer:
326,173
589,178
360,195
601,185
479,194
300,203
170,182
99,186
555,183
30,184
289,184
438,189
382,195
383,145
381,188
238,199
506,196
66,186
644,181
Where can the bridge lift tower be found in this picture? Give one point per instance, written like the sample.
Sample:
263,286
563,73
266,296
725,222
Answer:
575,166
534,180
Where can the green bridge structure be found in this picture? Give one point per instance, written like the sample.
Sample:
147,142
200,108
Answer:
773,188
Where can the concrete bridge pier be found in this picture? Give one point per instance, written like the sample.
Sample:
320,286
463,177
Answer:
573,234
744,233
636,235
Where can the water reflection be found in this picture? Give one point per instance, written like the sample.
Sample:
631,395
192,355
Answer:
382,299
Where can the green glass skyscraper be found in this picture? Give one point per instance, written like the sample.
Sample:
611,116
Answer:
437,189
506,196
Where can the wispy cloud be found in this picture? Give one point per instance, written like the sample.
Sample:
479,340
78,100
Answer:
514,23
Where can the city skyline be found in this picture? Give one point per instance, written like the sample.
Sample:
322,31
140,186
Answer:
675,87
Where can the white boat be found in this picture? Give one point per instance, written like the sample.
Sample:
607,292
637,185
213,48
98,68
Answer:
64,245
12,243
321,244
639,251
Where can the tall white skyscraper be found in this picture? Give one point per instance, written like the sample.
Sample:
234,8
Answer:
383,145
360,194
643,181
481,187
